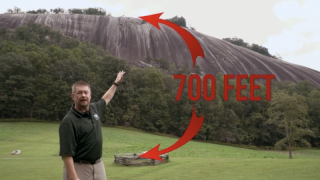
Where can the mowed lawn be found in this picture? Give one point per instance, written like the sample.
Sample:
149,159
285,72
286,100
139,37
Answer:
39,144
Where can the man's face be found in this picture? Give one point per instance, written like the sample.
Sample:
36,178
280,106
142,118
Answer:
81,96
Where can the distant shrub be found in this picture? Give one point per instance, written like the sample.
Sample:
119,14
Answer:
254,47
180,21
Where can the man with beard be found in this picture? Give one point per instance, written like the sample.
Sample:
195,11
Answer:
80,134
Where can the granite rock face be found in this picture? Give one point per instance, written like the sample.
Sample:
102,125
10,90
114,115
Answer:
130,39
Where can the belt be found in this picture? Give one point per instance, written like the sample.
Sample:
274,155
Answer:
87,162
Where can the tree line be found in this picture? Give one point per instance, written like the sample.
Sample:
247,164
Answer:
89,11
38,67
254,47
180,21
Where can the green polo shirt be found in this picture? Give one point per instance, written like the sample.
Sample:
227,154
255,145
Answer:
80,133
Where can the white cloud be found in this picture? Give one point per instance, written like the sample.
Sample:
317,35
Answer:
286,10
299,42
307,59
142,12
114,9
285,42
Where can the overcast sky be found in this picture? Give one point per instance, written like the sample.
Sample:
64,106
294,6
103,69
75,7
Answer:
289,28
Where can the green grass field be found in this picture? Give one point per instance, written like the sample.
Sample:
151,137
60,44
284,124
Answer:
39,144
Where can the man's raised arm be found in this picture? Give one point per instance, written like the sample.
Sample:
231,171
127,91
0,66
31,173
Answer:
109,94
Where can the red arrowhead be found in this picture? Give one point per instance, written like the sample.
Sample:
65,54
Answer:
192,130
152,154
192,43
153,19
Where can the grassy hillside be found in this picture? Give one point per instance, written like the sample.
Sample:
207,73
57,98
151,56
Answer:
39,144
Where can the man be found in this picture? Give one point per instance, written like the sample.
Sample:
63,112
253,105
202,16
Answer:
80,134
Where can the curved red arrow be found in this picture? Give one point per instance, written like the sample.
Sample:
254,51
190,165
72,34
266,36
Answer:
192,130
192,43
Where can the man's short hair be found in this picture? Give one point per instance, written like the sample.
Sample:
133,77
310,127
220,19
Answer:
79,83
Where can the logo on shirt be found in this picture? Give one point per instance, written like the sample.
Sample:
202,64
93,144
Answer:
96,117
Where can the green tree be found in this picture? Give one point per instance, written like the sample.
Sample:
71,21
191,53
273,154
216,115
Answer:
181,21
303,88
3,32
237,41
260,49
16,84
7,47
75,11
14,10
95,11
314,113
60,101
17,10
289,111
39,11
57,10
152,93
254,47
